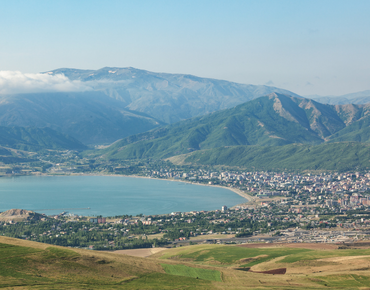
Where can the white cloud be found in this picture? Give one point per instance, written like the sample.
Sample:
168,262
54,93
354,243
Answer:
15,82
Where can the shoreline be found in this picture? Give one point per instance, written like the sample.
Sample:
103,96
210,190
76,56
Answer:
235,190
249,198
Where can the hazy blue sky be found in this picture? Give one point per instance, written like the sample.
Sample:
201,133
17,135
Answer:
309,47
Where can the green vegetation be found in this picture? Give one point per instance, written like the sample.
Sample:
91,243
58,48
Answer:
252,123
131,233
35,139
276,132
330,156
36,266
58,268
350,281
229,255
358,131
314,255
186,271
90,117
269,133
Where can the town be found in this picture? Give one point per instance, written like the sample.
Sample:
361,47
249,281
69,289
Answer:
330,207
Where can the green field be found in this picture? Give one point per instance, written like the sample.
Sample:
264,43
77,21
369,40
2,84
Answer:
200,273
314,255
230,255
345,281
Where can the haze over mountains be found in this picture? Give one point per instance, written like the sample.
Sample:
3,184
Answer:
120,102
167,97
353,98
91,117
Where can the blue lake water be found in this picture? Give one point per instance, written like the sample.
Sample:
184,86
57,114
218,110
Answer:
109,195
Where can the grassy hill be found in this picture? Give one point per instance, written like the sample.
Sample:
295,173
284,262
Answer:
30,265
33,139
40,266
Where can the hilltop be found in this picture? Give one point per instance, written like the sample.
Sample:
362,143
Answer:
17,215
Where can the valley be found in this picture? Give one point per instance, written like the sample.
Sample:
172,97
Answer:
302,167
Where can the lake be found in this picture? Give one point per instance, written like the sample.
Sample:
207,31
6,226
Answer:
110,195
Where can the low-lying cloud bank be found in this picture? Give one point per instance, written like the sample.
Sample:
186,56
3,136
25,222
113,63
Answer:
15,82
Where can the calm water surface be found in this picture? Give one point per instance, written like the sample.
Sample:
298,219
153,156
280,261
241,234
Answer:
109,195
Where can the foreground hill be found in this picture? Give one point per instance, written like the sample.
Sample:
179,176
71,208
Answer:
30,265
273,120
167,97
33,139
90,117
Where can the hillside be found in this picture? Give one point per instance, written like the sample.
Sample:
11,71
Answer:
31,265
167,97
333,156
33,139
273,120
90,117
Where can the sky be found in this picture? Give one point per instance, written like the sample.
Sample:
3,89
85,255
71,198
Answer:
309,47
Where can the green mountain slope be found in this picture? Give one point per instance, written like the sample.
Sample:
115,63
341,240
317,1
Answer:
271,120
31,139
333,156
358,131
274,132
90,117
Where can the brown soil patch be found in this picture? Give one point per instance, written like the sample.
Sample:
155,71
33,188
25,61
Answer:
280,271
356,245
311,246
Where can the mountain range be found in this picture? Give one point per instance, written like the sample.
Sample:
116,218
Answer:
273,120
121,102
199,120
353,98
167,97
90,117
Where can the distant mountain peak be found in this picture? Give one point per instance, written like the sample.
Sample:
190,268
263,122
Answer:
168,97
